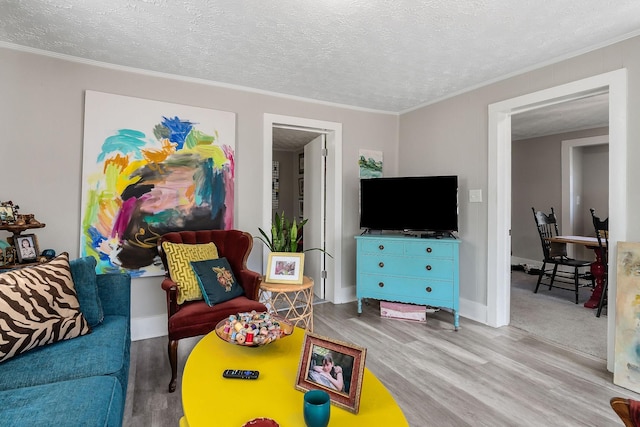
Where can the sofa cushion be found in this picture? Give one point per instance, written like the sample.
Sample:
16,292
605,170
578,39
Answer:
95,401
216,280
83,271
105,351
38,306
179,257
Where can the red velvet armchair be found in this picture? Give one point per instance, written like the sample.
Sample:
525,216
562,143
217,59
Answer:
193,318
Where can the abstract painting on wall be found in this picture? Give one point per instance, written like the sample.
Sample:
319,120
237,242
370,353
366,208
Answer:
370,163
151,167
626,371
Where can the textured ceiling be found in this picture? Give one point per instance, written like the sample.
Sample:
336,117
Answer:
374,54
586,113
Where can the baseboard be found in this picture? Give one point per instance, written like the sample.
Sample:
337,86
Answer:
143,328
525,261
345,295
473,311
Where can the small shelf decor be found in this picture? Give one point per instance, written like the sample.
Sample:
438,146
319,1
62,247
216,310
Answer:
23,248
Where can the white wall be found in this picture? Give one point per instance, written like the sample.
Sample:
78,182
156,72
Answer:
536,181
451,136
42,107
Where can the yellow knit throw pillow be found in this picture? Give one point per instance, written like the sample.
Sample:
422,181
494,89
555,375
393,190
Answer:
179,257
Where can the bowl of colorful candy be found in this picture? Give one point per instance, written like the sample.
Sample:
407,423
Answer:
253,329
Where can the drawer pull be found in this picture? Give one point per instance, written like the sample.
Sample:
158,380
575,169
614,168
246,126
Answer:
428,289
429,250
381,247
381,284
381,264
428,268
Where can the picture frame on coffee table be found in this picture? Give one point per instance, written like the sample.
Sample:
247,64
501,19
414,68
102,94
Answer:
324,357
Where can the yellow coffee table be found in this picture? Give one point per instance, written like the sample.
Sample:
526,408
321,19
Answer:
208,399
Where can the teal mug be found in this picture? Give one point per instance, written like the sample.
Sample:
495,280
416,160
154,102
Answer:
317,408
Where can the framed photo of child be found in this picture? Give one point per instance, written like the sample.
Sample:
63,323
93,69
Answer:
26,248
334,366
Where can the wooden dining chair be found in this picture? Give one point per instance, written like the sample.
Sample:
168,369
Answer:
555,255
602,234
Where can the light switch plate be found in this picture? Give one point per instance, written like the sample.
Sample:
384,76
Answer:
475,196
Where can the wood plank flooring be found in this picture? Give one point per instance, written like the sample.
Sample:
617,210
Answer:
477,376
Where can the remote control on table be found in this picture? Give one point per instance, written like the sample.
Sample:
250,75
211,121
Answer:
242,374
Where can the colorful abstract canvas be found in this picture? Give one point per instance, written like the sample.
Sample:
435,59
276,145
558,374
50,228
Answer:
149,168
626,371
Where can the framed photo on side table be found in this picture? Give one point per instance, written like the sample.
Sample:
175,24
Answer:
334,366
285,267
26,248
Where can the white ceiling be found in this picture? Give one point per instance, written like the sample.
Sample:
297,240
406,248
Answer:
586,113
381,55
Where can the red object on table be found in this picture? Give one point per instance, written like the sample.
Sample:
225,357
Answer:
598,271
597,268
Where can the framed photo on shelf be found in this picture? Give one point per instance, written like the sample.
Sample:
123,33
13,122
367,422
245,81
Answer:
334,366
7,213
285,267
26,246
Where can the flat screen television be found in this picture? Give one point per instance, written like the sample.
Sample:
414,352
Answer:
416,203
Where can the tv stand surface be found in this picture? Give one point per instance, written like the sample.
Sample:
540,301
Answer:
417,270
436,234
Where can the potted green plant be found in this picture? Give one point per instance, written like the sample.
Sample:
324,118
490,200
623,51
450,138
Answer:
285,236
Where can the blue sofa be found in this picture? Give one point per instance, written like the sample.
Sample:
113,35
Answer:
81,381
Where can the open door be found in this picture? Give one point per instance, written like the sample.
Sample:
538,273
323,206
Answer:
315,210
332,289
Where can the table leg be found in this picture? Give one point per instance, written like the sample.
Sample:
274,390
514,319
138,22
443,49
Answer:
597,269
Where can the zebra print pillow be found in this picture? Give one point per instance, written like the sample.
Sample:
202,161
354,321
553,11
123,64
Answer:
38,306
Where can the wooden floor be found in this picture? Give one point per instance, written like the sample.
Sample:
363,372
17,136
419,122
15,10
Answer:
477,376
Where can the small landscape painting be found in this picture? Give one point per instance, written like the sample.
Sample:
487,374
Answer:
370,163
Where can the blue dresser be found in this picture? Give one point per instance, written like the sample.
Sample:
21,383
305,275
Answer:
409,269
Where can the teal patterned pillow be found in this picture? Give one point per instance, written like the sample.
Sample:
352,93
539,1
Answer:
216,280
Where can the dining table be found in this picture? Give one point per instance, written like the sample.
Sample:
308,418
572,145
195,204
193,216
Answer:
598,267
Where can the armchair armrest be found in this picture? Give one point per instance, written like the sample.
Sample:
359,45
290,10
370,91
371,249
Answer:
250,282
171,289
114,290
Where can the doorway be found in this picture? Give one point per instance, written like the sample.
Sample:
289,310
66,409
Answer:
330,278
499,184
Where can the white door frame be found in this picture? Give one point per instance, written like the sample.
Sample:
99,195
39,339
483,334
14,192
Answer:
499,185
568,160
334,192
